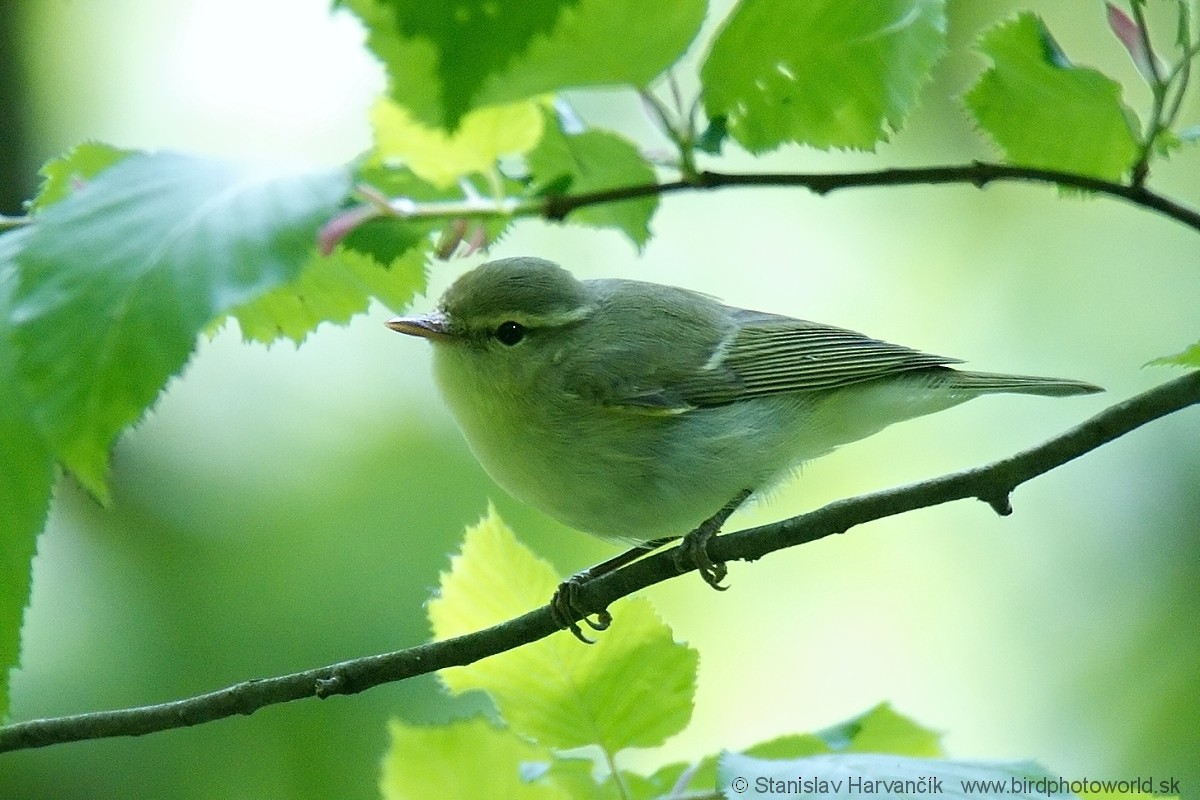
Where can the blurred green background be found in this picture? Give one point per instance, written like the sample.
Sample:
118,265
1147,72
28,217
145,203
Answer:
283,508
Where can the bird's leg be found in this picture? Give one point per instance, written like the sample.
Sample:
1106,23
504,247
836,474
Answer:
566,609
693,550
564,605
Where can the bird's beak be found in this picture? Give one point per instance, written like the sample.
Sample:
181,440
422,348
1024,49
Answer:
432,326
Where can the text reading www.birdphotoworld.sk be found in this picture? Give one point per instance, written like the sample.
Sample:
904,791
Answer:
1048,787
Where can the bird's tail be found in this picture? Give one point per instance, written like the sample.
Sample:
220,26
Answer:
989,382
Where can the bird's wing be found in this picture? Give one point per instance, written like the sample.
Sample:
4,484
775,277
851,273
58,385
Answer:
768,354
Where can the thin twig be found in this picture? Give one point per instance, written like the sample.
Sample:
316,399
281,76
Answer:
992,483
978,174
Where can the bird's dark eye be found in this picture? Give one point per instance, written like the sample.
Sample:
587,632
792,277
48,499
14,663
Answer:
510,333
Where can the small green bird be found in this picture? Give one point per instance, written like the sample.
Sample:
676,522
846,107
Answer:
639,412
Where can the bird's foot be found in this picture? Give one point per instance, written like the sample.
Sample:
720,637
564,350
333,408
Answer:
565,606
693,550
567,611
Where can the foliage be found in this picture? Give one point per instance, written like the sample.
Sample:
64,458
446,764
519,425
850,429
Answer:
1046,112
554,691
568,712
126,257
839,75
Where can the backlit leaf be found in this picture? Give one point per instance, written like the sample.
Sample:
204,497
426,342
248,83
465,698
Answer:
593,161
441,158
1188,358
26,478
465,760
71,171
1044,111
825,73
117,279
331,289
444,60
558,691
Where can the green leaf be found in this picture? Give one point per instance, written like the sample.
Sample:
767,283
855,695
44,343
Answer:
465,760
441,158
26,478
825,73
600,43
882,730
445,60
1188,358
594,161
631,689
385,240
880,776
330,289
1045,112
71,171
117,279
794,745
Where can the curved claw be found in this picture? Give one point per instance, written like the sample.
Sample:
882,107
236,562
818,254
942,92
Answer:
693,552
567,611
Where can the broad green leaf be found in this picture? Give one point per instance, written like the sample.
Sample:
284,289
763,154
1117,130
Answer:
825,73
330,289
879,776
600,43
633,688
117,279
71,171
1045,112
26,478
444,60
594,161
882,730
411,62
438,55
385,240
475,146
1188,358
464,760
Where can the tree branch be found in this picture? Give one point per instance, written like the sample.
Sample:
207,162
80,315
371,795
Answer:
977,173
992,483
